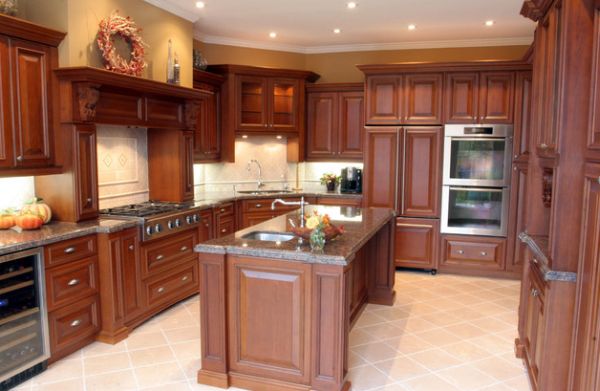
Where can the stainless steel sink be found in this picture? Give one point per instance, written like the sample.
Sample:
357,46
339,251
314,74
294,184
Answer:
269,236
272,191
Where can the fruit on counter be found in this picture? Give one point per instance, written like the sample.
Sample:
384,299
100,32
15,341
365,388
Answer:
38,207
29,221
7,219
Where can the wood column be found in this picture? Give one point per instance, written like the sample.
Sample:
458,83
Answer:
380,266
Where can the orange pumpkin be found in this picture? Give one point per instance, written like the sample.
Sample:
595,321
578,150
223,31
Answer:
29,221
7,221
38,207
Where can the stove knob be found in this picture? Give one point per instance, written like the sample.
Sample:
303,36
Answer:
149,230
196,218
178,222
170,224
158,228
188,219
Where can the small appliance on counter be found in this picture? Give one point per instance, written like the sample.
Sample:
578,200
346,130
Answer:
351,180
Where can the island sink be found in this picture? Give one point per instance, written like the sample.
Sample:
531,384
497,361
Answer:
268,236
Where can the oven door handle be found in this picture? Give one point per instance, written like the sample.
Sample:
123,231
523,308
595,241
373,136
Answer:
482,138
479,189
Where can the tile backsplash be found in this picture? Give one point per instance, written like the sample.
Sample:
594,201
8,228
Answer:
14,192
122,165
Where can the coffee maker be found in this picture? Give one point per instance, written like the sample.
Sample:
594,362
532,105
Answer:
351,180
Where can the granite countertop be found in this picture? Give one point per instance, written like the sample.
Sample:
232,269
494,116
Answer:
56,231
211,199
360,224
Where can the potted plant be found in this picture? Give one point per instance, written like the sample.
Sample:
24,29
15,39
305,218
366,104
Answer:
330,180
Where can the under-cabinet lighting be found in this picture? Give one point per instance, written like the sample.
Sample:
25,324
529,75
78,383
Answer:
200,4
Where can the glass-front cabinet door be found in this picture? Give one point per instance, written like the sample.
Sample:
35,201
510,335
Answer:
284,105
251,113
474,211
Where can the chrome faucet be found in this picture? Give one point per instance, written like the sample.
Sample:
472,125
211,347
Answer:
302,204
259,182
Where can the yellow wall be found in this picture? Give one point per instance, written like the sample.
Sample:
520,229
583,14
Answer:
341,67
80,19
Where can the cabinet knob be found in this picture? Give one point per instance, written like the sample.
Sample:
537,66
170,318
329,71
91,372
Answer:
73,282
516,156
75,323
183,248
184,278
88,201
483,253
598,179
534,260
70,250
160,290
460,252
224,230
535,292
131,247
159,257
222,210
258,205
544,146
19,158
207,225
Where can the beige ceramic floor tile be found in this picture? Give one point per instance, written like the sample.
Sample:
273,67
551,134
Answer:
97,365
179,386
392,387
99,348
401,368
467,377
367,377
413,324
519,383
376,351
408,343
65,385
360,337
187,349
146,340
429,382
184,334
438,337
59,371
435,359
117,381
156,375
382,331
466,330
144,357
369,319
354,360
499,368
466,351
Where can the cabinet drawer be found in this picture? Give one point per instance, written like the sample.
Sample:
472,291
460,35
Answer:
225,209
181,282
70,250
71,326
342,201
167,252
70,283
473,252
258,205
225,226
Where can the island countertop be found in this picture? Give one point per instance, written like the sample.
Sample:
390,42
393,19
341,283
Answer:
359,224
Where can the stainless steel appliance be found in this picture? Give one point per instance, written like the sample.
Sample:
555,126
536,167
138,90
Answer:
351,181
24,342
477,155
158,219
476,179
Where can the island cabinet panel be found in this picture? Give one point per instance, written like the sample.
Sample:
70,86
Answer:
381,274
269,308
382,151
422,179
423,99
417,243
344,201
384,100
534,325
461,97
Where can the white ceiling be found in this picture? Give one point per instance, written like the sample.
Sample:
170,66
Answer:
307,26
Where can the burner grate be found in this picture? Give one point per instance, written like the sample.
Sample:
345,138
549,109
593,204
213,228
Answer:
144,209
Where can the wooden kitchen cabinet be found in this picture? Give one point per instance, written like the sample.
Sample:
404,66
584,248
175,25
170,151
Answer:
475,253
340,201
224,219
255,211
417,243
593,147
207,226
535,322
207,140
480,97
382,166
86,166
335,122
28,97
71,275
384,99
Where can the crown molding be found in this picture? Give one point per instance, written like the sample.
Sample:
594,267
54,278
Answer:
172,7
481,42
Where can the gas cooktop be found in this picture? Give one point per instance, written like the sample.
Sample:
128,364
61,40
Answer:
145,209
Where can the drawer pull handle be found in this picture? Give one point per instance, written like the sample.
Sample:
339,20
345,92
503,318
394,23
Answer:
131,247
73,282
483,253
534,260
460,252
75,323
20,158
183,248
222,210
70,250
184,278
159,257
259,205
160,290
544,146
88,201
535,292
224,230
598,179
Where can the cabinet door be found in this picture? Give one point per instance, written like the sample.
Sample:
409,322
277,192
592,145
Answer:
85,165
283,105
534,325
461,93
522,128
517,212
206,136
384,100
423,99
594,129
416,243
421,182
206,226
351,125
133,301
322,125
496,97
251,103
225,225
250,219
31,75
380,180
187,166
586,374
6,134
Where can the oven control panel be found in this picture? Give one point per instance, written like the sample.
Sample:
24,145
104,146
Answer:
158,227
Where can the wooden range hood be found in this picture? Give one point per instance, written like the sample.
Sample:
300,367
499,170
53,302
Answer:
90,96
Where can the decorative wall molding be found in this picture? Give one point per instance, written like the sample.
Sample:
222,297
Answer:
174,8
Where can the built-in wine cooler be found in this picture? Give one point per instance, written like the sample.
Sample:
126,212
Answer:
24,346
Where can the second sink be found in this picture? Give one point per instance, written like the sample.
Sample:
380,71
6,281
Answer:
269,236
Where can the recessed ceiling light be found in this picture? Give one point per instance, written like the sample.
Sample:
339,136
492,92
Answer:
273,34
351,5
412,27
279,137
200,4
337,31
489,23
244,136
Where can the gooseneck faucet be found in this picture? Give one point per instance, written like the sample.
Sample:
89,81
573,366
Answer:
259,182
302,204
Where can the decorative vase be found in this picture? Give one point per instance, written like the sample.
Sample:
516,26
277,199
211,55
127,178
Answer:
199,61
8,7
317,240
330,185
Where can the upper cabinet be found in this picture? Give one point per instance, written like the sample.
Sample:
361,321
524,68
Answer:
479,97
404,99
594,128
28,90
335,123
207,146
261,101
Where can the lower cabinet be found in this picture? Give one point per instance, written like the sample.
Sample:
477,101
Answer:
534,324
71,275
417,243
224,219
340,201
357,284
472,253
206,231
255,211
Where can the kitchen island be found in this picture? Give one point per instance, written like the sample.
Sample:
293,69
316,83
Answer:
276,316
